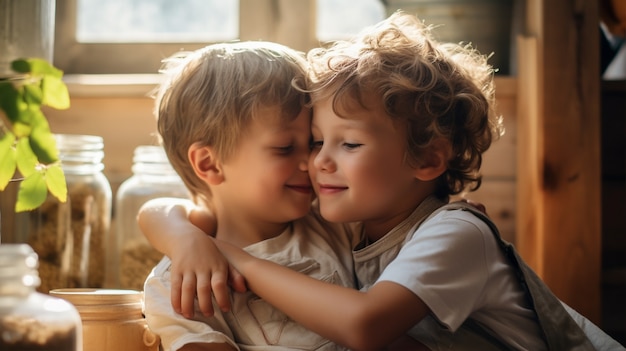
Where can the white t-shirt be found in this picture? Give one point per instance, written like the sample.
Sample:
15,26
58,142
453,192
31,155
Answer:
310,246
454,264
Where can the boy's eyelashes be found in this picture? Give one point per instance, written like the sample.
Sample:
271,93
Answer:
351,146
316,144
284,150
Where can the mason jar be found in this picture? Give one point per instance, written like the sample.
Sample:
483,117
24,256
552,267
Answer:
27,30
30,320
111,319
70,238
153,176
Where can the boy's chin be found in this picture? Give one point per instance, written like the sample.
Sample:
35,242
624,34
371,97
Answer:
335,216
300,211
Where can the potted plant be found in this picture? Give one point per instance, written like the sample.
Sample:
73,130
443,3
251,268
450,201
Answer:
28,147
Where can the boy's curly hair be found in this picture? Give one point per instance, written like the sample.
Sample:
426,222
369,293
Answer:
437,90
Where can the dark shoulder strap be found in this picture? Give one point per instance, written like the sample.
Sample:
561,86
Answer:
560,330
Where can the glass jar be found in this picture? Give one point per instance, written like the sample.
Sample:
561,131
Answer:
111,319
30,320
70,238
153,176
27,30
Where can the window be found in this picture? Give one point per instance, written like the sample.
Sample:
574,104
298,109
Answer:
133,36
154,21
338,19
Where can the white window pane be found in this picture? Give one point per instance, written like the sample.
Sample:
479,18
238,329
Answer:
337,19
145,21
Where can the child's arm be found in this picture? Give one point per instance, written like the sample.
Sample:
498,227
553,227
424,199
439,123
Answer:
357,320
177,228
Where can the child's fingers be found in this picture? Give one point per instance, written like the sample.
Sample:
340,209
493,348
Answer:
237,281
187,295
219,284
175,293
205,302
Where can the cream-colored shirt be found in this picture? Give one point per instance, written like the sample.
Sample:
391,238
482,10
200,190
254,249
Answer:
458,271
309,245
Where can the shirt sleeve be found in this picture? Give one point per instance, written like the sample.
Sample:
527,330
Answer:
175,330
444,262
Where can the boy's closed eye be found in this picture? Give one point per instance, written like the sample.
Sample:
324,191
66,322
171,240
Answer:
284,150
351,146
316,144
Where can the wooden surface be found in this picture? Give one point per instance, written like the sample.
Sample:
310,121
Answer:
559,203
497,191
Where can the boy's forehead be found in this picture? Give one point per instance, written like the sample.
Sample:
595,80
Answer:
348,106
277,114
273,118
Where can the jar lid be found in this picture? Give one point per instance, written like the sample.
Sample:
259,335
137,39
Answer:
103,304
87,296
19,263
10,253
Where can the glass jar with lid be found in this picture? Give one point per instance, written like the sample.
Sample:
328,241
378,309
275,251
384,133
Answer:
30,320
111,319
153,176
70,238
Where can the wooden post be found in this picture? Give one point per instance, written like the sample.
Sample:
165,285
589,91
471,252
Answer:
559,184
278,23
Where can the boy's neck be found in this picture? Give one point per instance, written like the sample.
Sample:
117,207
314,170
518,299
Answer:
241,231
375,229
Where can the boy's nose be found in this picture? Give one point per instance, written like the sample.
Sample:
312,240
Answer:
303,165
323,163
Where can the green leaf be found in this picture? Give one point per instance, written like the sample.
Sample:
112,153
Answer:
26,115
55,180
40,66
43,144
27,145
32,193
36,67
21,130
26,159
8,163
55,93
33,95
9,97
20,66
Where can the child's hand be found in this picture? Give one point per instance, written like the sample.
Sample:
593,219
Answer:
198,269
177,228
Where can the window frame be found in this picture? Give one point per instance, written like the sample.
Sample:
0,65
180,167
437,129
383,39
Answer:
259,19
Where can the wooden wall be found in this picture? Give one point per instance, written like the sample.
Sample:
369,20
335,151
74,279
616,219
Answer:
558,179
499,169
116,107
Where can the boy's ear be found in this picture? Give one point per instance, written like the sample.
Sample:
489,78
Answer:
434,162
205,163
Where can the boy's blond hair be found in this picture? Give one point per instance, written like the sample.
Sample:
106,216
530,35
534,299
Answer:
437,90
211,95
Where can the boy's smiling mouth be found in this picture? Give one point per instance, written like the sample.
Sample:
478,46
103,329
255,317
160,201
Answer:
330,189
301,188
